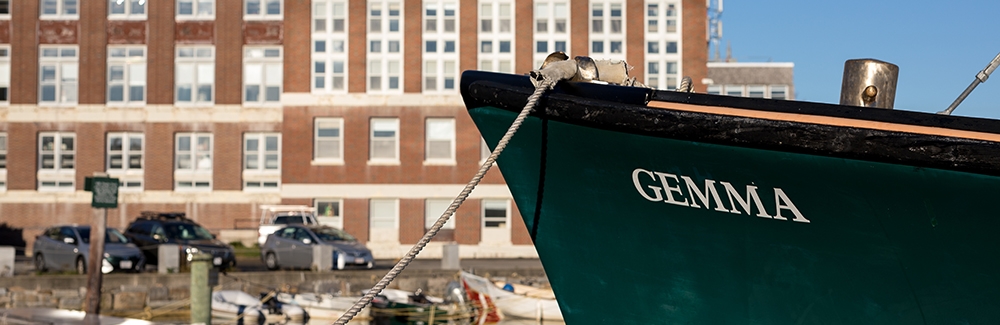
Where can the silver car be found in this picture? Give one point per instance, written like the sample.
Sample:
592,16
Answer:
67,248
292,247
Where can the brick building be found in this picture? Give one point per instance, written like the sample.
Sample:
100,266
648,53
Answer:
213,107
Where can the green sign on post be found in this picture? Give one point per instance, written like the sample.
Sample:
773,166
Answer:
105,191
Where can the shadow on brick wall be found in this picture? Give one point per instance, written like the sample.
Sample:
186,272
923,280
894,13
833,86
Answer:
10,236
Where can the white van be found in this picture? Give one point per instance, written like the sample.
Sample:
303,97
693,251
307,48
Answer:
273,217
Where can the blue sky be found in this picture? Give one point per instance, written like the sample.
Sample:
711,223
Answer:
939,46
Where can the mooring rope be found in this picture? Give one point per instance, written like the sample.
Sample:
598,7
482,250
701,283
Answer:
545,84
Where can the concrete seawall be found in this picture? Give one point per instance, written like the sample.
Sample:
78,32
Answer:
135,292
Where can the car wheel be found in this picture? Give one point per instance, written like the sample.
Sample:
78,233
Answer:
40,263
81,265
271,261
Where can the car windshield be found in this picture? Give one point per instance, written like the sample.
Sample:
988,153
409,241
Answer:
333,234
111,236
186,231
289,219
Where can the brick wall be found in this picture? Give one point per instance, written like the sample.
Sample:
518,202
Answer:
357,44
160,53
694,42
93,48
24,60
468,38
635,38
524,14
297,38
413,45
229,52
579,21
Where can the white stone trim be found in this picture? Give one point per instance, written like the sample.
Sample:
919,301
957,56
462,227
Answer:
403,191
143,114
358,99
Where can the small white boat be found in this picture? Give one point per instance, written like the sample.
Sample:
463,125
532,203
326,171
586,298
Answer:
523,302
235,304
322,306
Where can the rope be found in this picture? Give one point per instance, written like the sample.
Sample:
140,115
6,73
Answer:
545,84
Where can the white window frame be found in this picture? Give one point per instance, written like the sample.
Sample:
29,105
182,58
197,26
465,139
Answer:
3,161
131,178
57,178
395,214
335,220
263,66
774,89
605,35
200,10
64,60
658,14
734,90
201,60
264,10
329,46
261,178
549,14
761,91
439,130
198,175
495,26
433,209
440,46
64,9
129,7
383,124
385,47
714,90
4,75
488,203
132,62
324,123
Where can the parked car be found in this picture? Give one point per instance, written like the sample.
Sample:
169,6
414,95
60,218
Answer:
152,229
292,247
67,248
273,217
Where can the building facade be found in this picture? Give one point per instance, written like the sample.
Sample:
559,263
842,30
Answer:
773,80
214,107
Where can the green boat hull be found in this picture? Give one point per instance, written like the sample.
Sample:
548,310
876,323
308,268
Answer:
630,231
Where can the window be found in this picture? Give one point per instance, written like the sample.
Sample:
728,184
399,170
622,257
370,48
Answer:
496,36
195,75
662,45
607,34
193,161
328,140
126,75
756,91
484,150
127,9
56,161
59,9
262,9
384,214
494,213
734,90
714,90
779,92
329,50
385,42
328,212
385,140
440,46
551,29
4,74
3,161
440,146
124,159
58,75
261,161
196,9
4,9
262,75
433,209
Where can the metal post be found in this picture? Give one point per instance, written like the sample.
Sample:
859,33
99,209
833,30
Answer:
94,275
201,291
980,78
869,83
